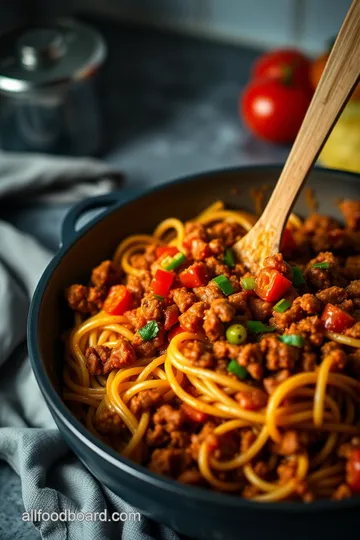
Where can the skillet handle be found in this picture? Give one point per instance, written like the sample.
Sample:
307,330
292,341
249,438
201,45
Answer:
68,229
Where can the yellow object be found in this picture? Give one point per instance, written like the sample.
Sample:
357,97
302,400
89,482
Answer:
342,150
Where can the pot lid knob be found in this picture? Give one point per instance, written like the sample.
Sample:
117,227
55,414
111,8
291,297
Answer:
41,47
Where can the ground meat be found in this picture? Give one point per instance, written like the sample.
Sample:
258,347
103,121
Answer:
323,278
171,316
192,477
108,422
317,222
145,400
352,267
250,356
102,360
227,231
351,213
310,328
96,357
179,439
239,301
134,285
206,434
278,355
200,250
135,318
105,275
289,444
85,299
138,260
147,349
122,355
196,241
169,461
213,326
192,320
302,306
198,354
183,298
157,436
193,231
277,262
260,309
252,400
216,268
342,492
308,360
209,293
353,289
332,295
217,246
323,233
287,470
224,349
271,383
223,309
227,446
171,419
145,279
152,308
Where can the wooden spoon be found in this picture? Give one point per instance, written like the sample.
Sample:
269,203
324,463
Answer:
336,84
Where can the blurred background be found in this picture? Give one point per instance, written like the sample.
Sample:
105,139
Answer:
168,91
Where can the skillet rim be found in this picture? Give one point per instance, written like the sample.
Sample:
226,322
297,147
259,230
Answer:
80,432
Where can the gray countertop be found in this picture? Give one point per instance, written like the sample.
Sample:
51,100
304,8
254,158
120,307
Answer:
170,107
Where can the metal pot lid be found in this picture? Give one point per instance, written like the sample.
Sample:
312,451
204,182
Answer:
48,55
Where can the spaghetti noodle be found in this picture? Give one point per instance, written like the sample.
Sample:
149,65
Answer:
157,370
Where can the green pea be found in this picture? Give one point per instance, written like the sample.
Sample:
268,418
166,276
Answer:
236,334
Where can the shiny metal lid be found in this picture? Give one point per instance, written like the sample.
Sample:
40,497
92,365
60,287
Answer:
46,56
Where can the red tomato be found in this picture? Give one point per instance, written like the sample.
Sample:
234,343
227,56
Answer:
171,316
271,285
118,300
288,241
335,319
277,64
166,250
194,276
175,331
274,110
353,471
193,414
162,282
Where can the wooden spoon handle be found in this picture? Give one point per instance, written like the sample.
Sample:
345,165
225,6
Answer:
339,78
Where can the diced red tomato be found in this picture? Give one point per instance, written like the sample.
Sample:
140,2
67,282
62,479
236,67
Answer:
288,241
271,285
194,415
335,319
162,282
118,300
166,250
194,276
353,470
175,331
171,316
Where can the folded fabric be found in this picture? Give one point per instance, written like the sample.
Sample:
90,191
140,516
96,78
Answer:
54,178
53,479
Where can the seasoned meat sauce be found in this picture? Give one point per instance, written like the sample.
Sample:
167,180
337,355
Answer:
327,254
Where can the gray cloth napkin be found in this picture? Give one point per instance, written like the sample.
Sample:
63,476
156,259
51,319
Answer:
54,179
52,478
